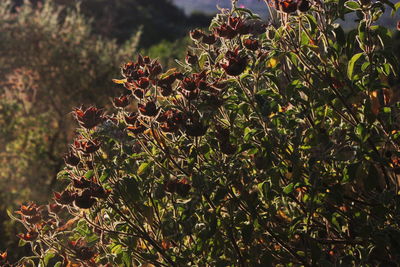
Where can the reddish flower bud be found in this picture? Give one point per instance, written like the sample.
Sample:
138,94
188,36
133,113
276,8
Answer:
180,186
171,186
87,147
177,75
303,5
166,90
128,69
225,31
98,191
146,60
90,117
250,44
84,200
209,39
3,257
188,84
140,60
121,102
54,208
191,95
131,118
155,69
34,219
81,183
288,6
71,159
191,59
137,128
196,34
30,236
238,25
170,120
143,82
169,127
149,109
169,80
64,198
30,210
236,63
139,93
203,85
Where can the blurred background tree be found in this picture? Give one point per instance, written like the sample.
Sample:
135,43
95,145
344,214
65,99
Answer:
49,62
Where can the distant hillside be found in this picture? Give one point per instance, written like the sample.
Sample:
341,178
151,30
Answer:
210,6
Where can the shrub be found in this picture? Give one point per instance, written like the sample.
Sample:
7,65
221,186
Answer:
277,145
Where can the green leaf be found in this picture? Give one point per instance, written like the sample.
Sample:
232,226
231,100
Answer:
21,243
105,175
352,5
9,213
169,72
63,175
49,255
142,168
89,174
362,132
288,189
361,31
396,7
202,60
126,258
312,22
350,66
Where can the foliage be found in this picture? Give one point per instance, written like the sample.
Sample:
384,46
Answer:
49,63
167,52
277,145
120,19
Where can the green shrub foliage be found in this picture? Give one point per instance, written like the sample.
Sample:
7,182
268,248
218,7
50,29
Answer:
277,145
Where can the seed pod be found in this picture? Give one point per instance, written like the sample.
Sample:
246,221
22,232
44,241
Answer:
196,129
64,198
84,200
149,109
137,128
303,5
196,34
288,6
250,44
71,159
209,39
